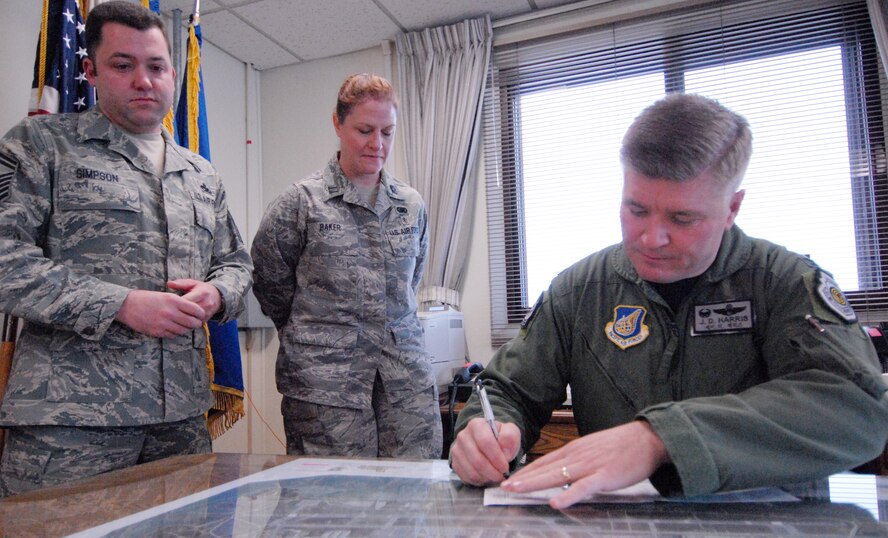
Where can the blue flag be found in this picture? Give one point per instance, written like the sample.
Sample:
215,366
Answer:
59,83
225,359
191,113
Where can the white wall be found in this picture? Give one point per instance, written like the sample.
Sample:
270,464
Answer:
18,41
225,91
475,295
297,115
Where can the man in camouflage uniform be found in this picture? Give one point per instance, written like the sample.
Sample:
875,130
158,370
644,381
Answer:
116,245
337,270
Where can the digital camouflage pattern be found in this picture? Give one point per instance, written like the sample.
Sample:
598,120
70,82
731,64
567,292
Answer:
43,456
84,220
410,429
338,278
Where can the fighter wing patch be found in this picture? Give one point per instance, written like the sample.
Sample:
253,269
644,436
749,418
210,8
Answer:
828,291
628,328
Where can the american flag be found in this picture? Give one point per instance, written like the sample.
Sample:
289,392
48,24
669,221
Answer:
60,84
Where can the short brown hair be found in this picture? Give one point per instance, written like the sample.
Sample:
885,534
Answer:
363,87
121,12
684,135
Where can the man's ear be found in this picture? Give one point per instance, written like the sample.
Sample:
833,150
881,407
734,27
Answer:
89,69
734,206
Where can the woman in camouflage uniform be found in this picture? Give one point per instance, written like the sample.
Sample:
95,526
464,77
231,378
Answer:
338,258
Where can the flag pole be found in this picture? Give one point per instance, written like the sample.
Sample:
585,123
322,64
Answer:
7,347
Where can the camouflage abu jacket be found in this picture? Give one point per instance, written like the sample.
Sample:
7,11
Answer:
84,220
338,279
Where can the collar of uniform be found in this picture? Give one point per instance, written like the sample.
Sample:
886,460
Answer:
180,158
338,185
733,253
94,125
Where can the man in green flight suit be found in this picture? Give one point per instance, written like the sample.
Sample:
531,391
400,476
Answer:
697,356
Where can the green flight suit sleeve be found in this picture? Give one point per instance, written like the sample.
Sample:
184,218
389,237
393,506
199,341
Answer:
525,385
823,410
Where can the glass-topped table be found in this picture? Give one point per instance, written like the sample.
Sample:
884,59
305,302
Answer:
400,504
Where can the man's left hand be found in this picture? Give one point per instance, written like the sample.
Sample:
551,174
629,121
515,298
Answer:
205,295
599,462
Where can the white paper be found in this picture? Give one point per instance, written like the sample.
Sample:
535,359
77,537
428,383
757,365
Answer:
641,492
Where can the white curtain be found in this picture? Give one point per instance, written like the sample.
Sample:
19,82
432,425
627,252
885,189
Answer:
878,11
441,77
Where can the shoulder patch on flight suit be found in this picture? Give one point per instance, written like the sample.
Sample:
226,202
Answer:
628,328
525,323
829,292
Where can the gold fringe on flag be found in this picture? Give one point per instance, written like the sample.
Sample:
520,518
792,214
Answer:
168,122
44,37
228,403
193,96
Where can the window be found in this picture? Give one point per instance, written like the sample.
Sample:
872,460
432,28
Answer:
807,78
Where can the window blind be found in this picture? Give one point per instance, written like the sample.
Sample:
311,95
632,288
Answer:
805,74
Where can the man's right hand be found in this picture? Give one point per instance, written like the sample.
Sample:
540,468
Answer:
159,314
478,457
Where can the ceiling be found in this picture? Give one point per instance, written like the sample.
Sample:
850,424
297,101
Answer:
274,33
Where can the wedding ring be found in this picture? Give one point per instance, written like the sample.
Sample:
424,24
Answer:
566,476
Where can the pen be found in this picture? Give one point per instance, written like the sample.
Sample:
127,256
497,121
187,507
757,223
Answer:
485,406
814,323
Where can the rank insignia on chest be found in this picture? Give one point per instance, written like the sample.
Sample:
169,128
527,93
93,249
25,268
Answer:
832,296
628,328
722,318
7,171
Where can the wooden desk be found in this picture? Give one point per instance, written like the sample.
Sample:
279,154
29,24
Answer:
64,510
560,430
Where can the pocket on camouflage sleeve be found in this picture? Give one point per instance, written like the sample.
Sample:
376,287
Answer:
88,371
